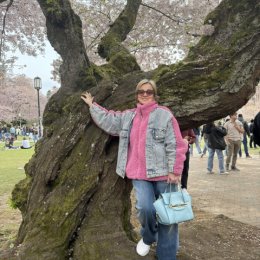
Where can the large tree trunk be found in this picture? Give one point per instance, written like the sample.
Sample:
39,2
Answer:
73,204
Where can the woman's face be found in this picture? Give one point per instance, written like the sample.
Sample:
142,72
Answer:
145,94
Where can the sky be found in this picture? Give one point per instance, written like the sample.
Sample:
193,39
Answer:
38,66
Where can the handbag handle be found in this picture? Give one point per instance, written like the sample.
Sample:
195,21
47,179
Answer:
178,189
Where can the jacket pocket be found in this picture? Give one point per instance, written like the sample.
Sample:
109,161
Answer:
159,148
159,134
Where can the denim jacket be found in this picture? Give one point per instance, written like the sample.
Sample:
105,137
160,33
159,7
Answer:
165,148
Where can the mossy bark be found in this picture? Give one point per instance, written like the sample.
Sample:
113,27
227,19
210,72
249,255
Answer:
64,31
111,47
76,205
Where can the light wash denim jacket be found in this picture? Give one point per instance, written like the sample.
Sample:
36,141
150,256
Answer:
165,148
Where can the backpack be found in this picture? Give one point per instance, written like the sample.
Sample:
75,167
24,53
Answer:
216,138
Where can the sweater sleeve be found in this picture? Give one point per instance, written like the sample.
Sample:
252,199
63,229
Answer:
176,147
107,120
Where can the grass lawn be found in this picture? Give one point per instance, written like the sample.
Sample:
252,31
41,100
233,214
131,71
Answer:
11,172
12,166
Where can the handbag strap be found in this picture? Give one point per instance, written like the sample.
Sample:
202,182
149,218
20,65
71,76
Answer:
178,189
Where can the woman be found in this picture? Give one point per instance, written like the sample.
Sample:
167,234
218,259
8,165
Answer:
151,153
190,137
216,143
25,144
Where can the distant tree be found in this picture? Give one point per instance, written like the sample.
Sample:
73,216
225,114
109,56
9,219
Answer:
22,27
19,121
18,96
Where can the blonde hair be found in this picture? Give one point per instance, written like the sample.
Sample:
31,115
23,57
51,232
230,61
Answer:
152,84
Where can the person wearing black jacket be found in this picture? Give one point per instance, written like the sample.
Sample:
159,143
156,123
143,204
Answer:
251,127
256,129
216,143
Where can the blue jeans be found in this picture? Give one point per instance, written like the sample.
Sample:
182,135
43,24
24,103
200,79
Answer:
220,159
245,147
197,143
166,236
205,146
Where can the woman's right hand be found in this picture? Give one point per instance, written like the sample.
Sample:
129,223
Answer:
87,98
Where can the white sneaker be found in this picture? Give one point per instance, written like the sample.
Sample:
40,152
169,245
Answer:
142,249
224,173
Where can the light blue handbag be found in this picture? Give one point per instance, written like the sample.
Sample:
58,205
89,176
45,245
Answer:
173,207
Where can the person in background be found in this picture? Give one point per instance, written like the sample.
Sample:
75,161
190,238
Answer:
35,134
9,142
190,137
18,131
256,129
152,152
205,136
244,136
13,132
233,140
251,127
25,144
197,141
216,143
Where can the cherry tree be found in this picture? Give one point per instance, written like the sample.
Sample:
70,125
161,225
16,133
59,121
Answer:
72,202
19,99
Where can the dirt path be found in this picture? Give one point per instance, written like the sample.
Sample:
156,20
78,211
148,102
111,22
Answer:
227,224
10,220
236,195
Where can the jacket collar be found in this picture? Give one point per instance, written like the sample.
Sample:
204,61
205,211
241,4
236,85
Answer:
147,108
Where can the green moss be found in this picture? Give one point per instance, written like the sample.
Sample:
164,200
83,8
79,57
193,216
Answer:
53,7
108,46
52,111
88,77
230,16
192,77
56,217
91,76
160,71
124,62
20,194
71,104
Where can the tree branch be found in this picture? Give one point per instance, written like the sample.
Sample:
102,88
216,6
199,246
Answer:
92,43
3,27
215,79
64,30
110,46
151,46
178,20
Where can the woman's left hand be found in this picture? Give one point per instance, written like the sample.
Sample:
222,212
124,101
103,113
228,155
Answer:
172,178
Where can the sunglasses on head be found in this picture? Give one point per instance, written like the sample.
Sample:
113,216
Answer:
148,92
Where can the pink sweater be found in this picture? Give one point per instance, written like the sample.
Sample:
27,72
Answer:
136,163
